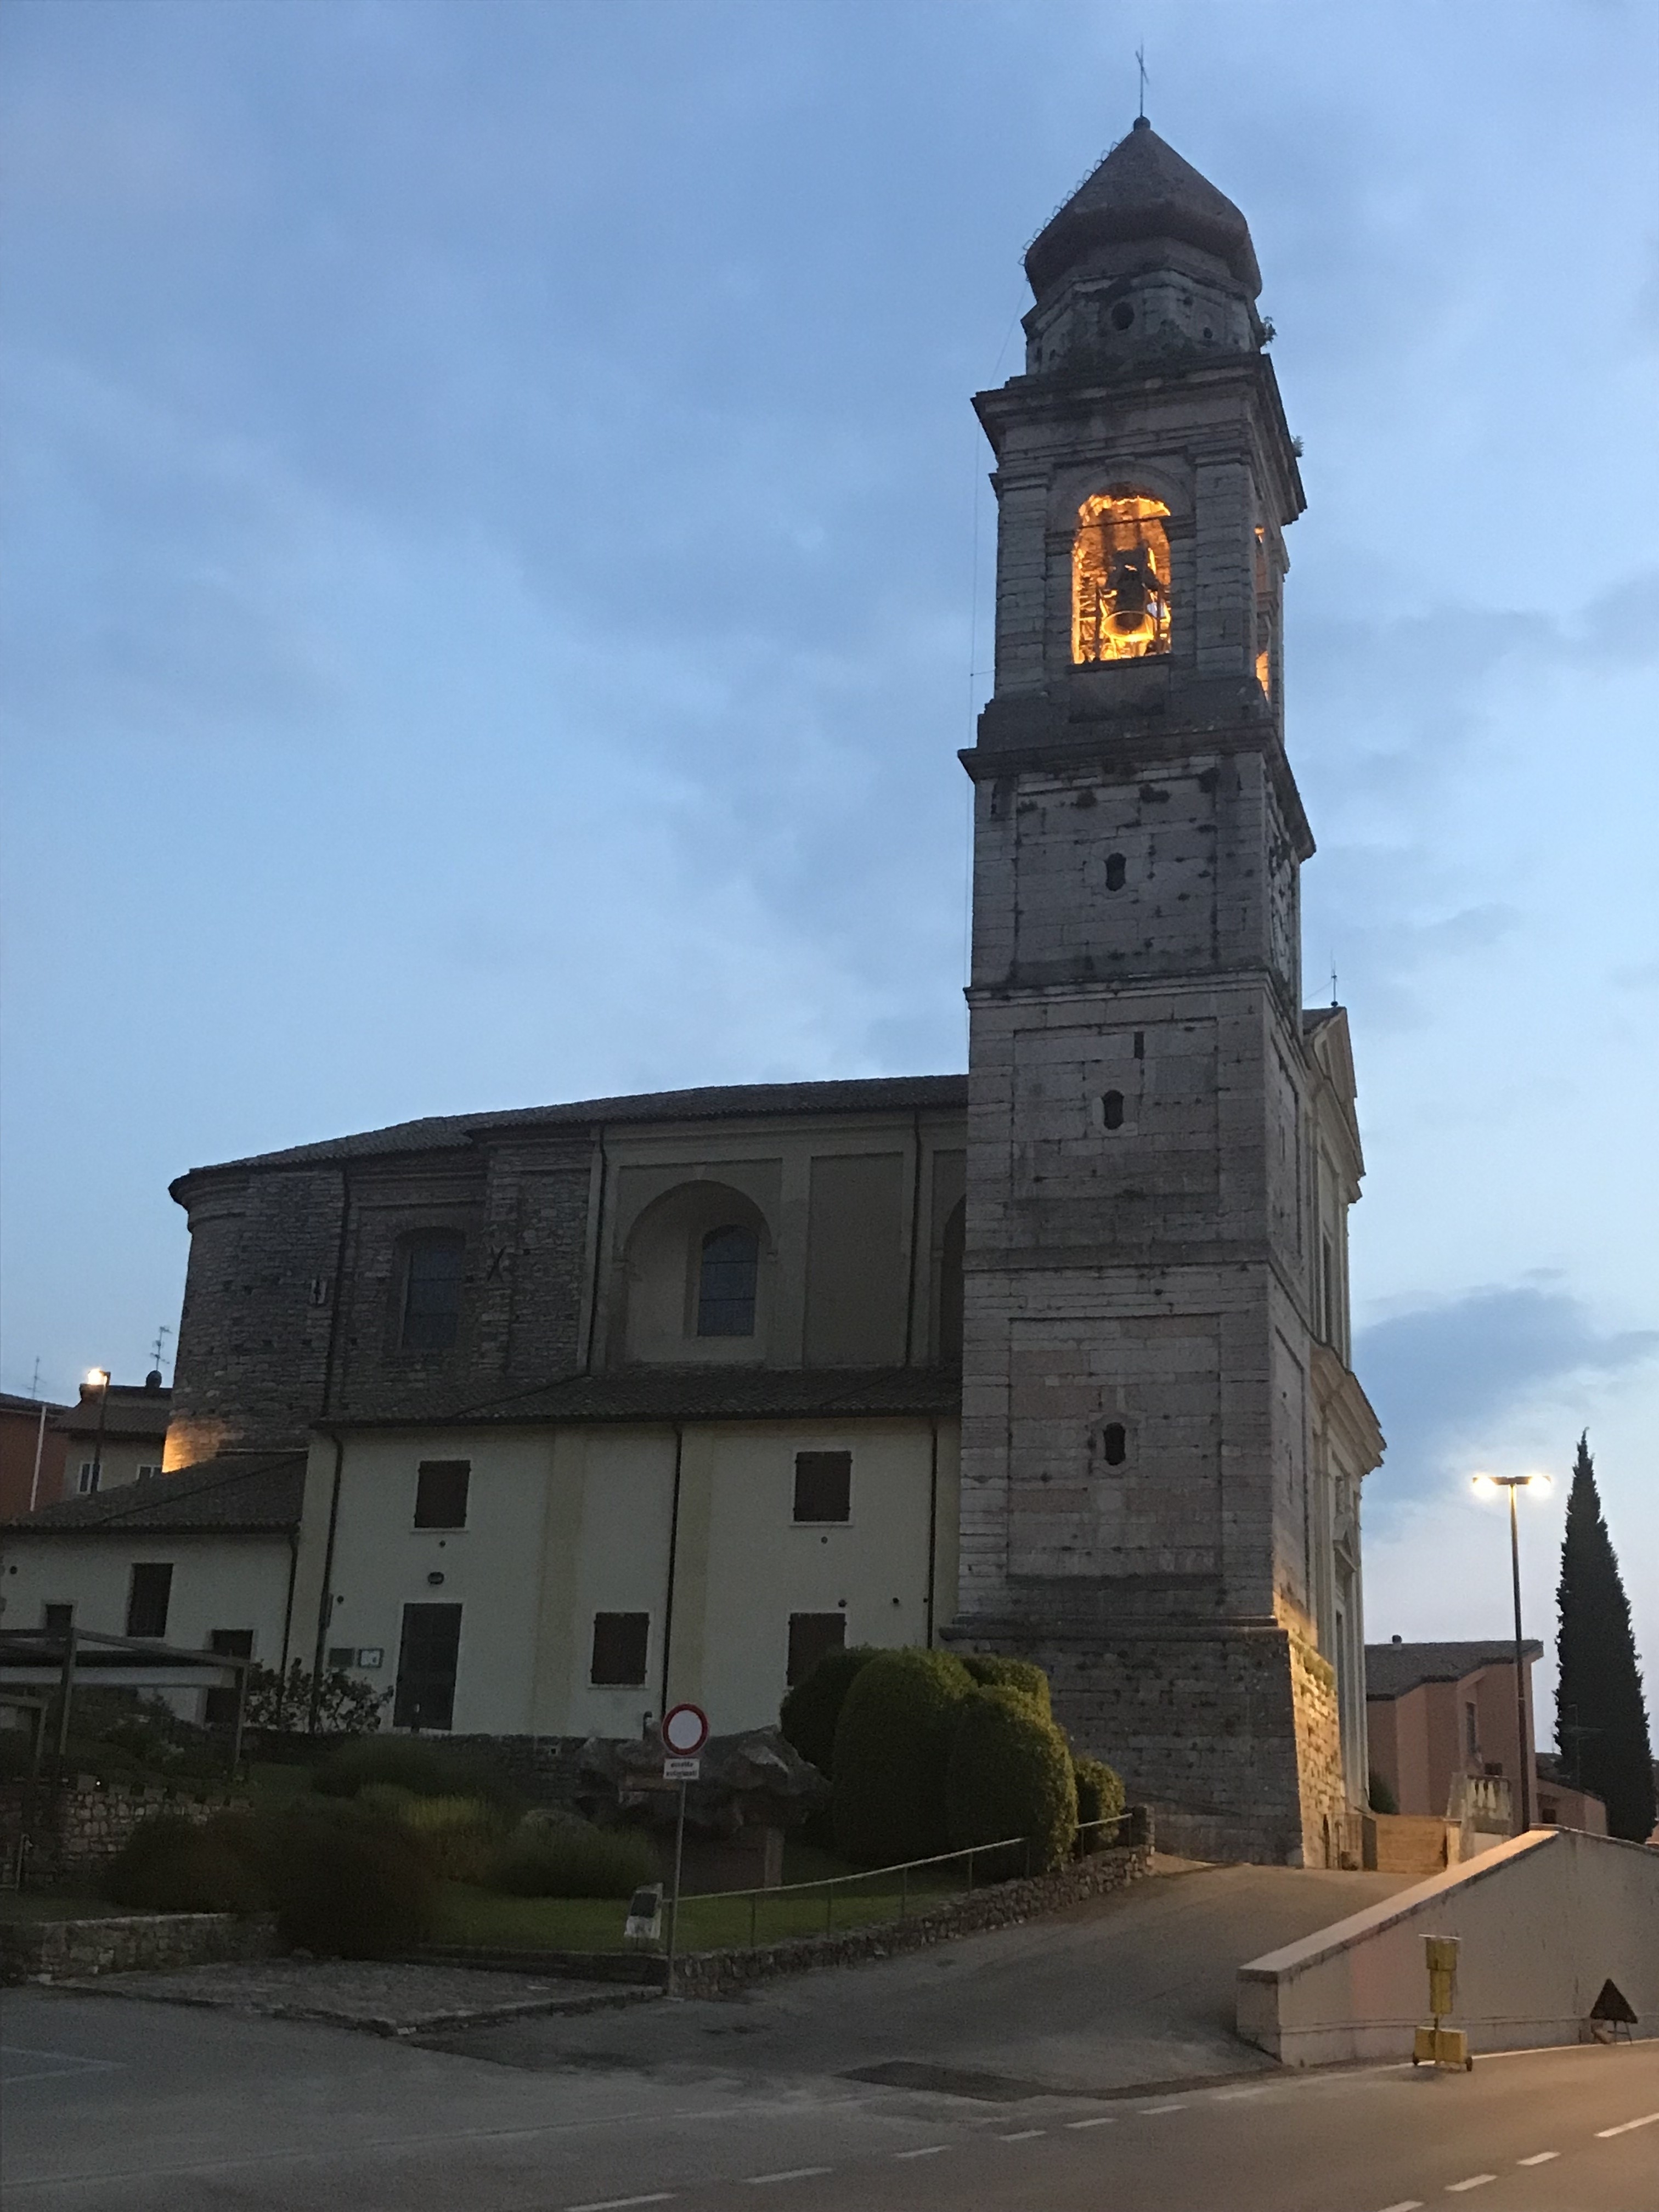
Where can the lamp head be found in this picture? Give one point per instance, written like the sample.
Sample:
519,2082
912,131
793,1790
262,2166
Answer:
98,1378
1488,1485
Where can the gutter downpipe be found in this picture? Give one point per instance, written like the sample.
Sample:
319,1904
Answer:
293,1576
915,1227
673,1561
933,1525
598,1257
325,1602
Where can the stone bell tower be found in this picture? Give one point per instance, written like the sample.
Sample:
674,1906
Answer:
1135,1509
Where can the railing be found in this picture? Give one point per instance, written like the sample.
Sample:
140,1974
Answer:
909,1881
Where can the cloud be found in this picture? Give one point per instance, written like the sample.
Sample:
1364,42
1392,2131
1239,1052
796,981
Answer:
1446,1377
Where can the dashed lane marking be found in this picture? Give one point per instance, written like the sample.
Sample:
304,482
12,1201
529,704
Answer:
1474,2181
621,2204
1101,2120
1539,2158
927,2150
1647,2120
789,2173
1406,2204
1174,2105
1023,2135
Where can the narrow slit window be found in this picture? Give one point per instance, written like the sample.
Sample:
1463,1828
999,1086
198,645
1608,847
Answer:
1117,872
1119,579
1114,1443
1111,1109
726,1278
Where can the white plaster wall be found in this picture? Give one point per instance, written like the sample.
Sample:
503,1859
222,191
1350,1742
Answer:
218,1582
1543,1919
621,1565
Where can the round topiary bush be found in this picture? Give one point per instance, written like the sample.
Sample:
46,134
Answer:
573,1858
994,1671
1099,1795
170,1864
349,1884
892,1746
809,1714
1010,1774
414,1763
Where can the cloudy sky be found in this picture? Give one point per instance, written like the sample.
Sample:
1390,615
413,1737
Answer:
496,561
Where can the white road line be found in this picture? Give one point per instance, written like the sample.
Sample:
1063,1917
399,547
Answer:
927,2150
1231,2096
1406,2204
1539,2158
1175,2105
1647,2120
789,2173
1105,2120
1023,2135
621,2204
1474,2181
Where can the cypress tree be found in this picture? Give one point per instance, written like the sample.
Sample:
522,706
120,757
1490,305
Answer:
1601,1722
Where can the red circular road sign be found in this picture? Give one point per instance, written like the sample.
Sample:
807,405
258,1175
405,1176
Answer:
684,1731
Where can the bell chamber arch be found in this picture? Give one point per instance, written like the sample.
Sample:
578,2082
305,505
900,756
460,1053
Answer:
1120,578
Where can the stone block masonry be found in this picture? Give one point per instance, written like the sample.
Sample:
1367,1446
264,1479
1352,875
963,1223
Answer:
72,1831
63,1950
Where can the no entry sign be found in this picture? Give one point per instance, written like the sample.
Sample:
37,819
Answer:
684,1731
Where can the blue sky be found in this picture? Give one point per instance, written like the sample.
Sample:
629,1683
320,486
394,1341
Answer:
496,562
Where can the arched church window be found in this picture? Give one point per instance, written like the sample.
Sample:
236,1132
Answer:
726,1278
1120,578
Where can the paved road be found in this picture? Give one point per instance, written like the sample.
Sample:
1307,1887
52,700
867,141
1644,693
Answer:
874,2090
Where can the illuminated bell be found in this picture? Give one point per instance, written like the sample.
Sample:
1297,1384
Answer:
1131,588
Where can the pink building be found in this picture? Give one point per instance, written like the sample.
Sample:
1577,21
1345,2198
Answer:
1434,1711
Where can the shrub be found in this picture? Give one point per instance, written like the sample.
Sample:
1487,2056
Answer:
335,1703
572,1858
414,1763
1010,1774
461,1836
1099,1795
170,1864
811,1710
891,1749
1382,1799
348,1883
993,1670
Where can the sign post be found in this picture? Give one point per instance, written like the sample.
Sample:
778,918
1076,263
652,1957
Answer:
685,1731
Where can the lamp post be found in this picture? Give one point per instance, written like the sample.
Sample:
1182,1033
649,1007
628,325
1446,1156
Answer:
1485,1485
99,1376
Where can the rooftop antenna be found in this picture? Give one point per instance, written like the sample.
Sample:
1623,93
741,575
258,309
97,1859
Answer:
1140,64
34,1387
155,1350
1333,996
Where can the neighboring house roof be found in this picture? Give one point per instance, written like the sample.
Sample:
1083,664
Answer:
722,1101
134,1411
1391,1669
251,1495
10,1402
661,1394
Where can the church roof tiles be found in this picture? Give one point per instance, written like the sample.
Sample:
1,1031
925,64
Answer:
1143,190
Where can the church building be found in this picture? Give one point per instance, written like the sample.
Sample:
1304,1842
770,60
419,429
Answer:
542,1419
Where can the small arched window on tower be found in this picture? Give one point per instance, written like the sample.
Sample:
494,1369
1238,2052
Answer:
1119,579
727,1273
1264,617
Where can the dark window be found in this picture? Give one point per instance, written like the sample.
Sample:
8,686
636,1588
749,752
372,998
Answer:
426,1667
1111,1109
219,1706
1117,870
824,1485
91,1475
1114,1443
440,1488
432,1293
725,1282
619,1647
147,1600
812,1637
58,1619
340,1656
1471,1733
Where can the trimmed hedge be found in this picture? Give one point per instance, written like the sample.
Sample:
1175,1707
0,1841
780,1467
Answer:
414,1763
892,1748
1099,1795
572,1858
810,1712
994,1671
348,1883
1010,1774
170,1864
460,1836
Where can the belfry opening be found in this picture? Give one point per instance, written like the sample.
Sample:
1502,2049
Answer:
1120,578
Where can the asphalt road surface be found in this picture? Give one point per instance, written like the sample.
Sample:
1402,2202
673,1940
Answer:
1082,2063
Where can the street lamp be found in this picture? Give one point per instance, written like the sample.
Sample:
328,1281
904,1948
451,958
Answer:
1485,1486
101,1376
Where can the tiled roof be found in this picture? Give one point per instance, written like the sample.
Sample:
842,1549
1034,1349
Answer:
723,1102
133,1412
712,1393
246,1494
1391,1669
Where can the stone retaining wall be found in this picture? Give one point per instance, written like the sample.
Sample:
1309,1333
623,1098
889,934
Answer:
74,1829
57,1950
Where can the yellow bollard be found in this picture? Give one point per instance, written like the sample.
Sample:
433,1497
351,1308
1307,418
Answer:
1440,2045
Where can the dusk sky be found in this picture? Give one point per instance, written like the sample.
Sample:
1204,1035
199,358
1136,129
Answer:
496,571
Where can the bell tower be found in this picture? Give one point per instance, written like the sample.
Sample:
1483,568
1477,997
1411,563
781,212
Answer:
1137,1511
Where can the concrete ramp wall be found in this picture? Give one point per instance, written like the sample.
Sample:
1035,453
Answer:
1544,1920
